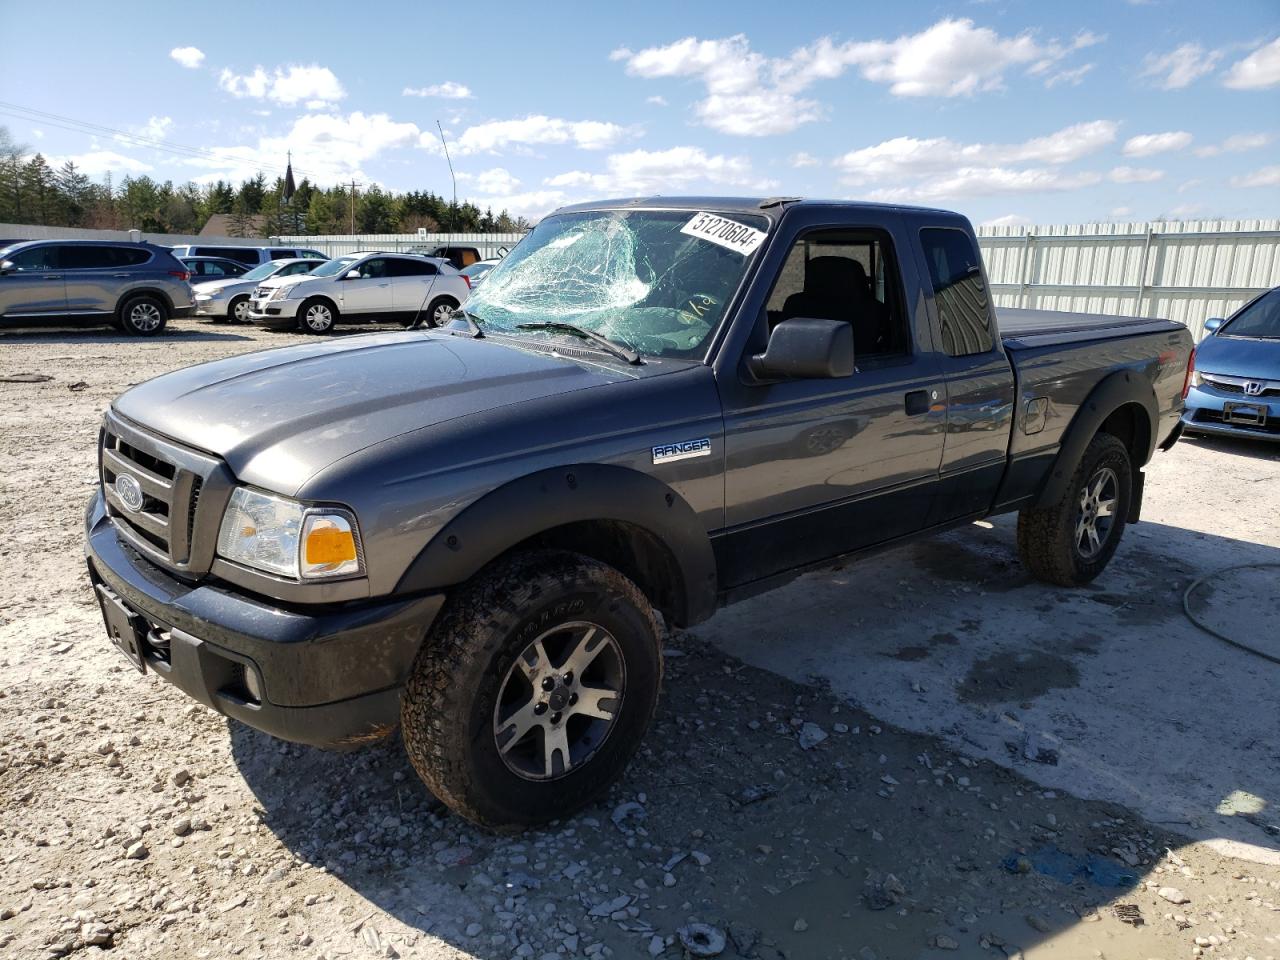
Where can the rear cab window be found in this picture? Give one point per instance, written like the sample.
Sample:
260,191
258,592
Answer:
959,291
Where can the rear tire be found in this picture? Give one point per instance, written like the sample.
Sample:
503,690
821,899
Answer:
1070,542
317,316
143,315
495,720
438,310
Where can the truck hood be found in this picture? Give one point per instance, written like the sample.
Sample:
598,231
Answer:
277,417
1239,357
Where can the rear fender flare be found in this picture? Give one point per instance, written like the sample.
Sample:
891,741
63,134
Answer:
1112,393
541,502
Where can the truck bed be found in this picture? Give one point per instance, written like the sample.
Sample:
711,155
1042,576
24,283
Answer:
1039,328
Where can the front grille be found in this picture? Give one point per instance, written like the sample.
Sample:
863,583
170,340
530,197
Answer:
1271,388
182,492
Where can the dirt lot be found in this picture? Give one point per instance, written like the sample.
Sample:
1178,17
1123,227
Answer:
922,756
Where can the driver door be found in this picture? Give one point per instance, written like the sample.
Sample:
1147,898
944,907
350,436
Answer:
372,292
34,286
818,468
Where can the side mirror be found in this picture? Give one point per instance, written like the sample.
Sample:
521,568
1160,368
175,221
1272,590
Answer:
352,274
7,266
805,348
1212,324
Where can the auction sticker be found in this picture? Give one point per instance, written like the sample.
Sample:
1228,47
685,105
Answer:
724,233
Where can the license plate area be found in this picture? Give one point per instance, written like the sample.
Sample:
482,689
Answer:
124,627
1245,414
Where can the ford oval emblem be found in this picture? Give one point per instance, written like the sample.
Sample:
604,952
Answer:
130,492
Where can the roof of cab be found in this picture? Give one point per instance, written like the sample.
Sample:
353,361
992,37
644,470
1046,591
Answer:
740,205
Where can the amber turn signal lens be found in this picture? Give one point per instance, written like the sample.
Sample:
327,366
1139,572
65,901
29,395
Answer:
327,543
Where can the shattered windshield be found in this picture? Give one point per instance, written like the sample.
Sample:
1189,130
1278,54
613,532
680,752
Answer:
655,281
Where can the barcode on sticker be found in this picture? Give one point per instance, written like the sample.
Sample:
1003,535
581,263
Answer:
724,233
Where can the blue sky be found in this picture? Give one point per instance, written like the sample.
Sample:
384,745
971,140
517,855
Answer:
1009,111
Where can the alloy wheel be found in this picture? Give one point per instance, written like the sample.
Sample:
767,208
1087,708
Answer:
145,316
1096,515
559,701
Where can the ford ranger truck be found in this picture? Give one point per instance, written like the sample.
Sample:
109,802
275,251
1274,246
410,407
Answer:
650,408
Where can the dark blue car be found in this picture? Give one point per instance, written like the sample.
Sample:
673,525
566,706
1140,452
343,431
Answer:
1235,389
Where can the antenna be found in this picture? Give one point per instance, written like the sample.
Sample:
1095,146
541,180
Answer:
453,213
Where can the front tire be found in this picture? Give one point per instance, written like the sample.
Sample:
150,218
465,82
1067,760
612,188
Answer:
238,309
534,689
317,316
1070,542
143,315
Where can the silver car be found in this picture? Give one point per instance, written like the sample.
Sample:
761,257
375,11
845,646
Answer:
361,288
228,299
135,287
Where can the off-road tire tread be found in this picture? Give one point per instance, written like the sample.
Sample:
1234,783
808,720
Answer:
1045,534
471,628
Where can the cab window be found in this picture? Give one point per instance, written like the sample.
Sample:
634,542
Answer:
35,259
959,292
846,275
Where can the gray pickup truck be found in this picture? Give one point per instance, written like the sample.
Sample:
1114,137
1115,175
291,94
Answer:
651,407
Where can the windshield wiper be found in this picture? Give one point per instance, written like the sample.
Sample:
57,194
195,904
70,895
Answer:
473,330
620,350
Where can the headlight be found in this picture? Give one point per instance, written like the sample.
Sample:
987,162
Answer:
204,296
288,538
283,292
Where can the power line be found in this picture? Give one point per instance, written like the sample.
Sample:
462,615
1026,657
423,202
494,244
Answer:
83,126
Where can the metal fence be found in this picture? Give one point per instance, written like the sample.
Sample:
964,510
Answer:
1186,271
489,244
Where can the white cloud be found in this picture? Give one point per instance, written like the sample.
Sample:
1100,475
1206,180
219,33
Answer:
313,85
1189,184
533,204
1134,175
156,127
664,171
656,101
1237,143
1180,67
189,57
1146,144
1258,71
912,157
492,182
803,159
749,94
327,148
1263,177
1008,220
447,91
986,181
1073,77
1120,212
493,135
97,162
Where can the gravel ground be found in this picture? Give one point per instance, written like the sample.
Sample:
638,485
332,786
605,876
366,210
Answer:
778,808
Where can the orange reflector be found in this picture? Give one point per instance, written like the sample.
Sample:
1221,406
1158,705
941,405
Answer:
326,543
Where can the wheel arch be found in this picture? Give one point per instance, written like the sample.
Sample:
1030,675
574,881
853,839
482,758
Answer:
621,517
1124,405
329,301
156,292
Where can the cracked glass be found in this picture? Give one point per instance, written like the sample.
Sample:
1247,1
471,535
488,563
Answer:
631,276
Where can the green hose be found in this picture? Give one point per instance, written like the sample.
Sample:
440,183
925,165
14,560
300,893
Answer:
1186,608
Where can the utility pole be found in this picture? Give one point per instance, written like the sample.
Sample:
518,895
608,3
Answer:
353,207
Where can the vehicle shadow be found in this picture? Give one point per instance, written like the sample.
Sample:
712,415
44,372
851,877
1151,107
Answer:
1257,449
793,821
100,336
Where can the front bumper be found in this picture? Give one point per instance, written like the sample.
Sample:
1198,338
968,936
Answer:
211,308
329,677
1205,414
274,312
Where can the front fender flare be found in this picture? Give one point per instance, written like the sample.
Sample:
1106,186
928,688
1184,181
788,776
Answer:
1111,393
543,501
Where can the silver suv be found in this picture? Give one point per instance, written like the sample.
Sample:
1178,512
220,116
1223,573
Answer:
362,287
135,287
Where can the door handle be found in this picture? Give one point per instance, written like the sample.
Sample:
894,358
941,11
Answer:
53,276
917,402
121,276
